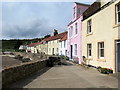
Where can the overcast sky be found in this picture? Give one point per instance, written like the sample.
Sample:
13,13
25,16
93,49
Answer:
34,19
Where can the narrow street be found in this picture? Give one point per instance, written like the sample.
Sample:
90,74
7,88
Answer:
67,76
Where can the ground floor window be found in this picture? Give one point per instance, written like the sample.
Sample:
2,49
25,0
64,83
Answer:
101,50
75,49
89,50
65,52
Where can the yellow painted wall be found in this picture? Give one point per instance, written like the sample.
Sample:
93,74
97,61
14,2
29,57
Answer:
104,29
53,44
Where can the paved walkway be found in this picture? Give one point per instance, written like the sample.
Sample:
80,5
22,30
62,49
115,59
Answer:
68,76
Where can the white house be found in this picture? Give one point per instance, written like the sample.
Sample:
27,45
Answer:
23,47
32,48
63,46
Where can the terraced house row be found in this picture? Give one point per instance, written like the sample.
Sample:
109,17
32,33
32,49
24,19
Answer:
92,35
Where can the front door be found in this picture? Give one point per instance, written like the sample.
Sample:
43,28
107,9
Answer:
53,51
71,52
118,55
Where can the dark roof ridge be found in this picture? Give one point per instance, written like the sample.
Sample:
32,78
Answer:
82,4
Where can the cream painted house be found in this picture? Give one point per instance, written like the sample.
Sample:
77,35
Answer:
101,35
53,43
42,47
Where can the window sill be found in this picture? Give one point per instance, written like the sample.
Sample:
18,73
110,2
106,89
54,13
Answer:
89,34
116,25
89,58
75,35
101,60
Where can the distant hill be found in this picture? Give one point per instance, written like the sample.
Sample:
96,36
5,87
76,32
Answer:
13,44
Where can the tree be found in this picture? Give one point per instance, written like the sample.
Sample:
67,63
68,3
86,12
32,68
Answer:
55,32
48,35
17,44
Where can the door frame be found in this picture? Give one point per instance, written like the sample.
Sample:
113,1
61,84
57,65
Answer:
71,51
116,57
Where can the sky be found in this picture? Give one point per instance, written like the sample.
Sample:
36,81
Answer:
25,20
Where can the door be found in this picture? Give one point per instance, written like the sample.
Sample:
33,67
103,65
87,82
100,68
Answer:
71,52
118,55
53,51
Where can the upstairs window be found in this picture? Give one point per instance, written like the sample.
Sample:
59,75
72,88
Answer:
71,29
79,11
118,13
89,24
101,50
74,9
64,43
76,28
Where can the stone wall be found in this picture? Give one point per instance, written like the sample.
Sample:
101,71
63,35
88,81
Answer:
15,73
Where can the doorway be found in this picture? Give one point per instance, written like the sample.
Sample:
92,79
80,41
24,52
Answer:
53,51
71,51
118,56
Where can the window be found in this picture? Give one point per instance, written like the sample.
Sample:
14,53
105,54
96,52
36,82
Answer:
71,29
101,50
75,28
61,52
75,49
57,50
89,26
65,52
57,41
49,49
61,44
89,50
79,11
64,43
118,13
74,12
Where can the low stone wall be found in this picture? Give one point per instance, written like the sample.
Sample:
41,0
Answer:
15,73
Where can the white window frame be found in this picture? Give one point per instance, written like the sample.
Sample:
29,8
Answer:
75,49
89,26
89,50
117,13
57,50
99,50
76,28
64,43
61,44
74,12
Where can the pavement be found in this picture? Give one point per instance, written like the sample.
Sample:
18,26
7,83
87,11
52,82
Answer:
67,76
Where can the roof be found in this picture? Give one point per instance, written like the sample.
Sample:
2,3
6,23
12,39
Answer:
32,44
91,10
58,36
41,42
65,37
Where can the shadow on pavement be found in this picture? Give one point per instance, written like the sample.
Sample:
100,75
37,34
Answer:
27,80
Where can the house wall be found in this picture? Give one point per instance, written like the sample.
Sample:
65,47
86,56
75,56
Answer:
53,44
76,39
42,48
63,48
103,29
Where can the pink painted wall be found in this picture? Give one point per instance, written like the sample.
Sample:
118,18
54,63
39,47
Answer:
76,39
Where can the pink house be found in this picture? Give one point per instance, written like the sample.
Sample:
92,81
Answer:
75,33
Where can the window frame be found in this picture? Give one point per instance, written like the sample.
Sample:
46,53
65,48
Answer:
75,49
117,13
76,28
89,26
89,48
99,50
